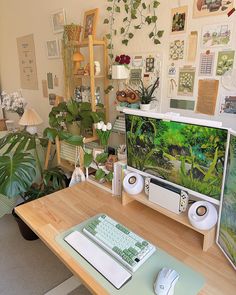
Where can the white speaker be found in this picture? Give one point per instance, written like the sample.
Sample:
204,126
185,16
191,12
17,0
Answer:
133,183
202,215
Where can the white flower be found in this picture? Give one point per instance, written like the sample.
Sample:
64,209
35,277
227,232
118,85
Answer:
109,126
102,124
99,126
104,127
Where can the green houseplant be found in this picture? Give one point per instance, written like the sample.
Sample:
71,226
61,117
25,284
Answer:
146,94
77,116
21,171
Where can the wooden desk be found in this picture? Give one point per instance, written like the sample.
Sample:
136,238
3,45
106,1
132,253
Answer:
54,214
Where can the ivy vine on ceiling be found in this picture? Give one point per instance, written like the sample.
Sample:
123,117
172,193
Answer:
137,14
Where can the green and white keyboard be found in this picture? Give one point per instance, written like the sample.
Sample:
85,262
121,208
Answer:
124,245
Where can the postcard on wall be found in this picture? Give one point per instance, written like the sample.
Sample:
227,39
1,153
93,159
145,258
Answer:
225,62
137,61
186,81
206,64
211,7
228,103
192,46
216,35
207,96
179,19
27,62
176,51
182,104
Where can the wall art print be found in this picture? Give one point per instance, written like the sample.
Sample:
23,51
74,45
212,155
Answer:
225,62
179,19
228,103
226,237
186,81
211,7
216,35
176,51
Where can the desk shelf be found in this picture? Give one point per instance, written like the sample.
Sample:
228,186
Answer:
208,235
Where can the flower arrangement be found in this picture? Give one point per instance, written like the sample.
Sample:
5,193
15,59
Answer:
103,131
122,60
13,102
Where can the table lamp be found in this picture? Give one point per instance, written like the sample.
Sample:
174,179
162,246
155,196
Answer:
77,58
30,120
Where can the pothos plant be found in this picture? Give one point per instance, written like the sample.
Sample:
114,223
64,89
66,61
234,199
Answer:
137,14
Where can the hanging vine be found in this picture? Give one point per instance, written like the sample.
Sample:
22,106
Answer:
137,14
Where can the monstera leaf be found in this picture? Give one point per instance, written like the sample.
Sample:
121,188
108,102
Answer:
17,173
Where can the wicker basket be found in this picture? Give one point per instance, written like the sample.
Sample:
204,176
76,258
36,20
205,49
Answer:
72,32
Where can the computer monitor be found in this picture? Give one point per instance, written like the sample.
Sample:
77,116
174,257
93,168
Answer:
187,155
226,234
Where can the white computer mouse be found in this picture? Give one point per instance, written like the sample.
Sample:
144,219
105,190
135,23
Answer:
165,281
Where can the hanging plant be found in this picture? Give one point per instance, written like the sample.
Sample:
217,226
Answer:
137,14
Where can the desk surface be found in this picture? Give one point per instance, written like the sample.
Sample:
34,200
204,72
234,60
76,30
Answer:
56,213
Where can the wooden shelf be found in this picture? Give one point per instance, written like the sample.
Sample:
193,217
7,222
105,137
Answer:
95,43
209,235
88,77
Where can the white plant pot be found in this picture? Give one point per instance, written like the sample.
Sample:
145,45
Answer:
145,107
120,72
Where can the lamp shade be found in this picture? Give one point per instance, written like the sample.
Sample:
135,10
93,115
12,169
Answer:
30,118
77,56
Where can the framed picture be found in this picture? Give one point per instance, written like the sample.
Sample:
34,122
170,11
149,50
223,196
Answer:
53,49
90,23
216,35
179,19
58,19
211,7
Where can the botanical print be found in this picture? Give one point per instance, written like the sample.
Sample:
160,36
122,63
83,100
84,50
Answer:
216,35
179,17
211,7
225,62
177,50
227,227
186,81
185,154
228,104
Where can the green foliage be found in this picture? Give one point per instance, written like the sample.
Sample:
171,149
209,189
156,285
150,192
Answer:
88,159
146,94
137,14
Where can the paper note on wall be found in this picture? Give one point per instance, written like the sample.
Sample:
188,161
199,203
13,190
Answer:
192,46
27,62
207,96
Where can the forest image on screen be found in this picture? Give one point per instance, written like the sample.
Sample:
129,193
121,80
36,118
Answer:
185,154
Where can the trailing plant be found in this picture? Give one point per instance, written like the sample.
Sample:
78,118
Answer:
146,94
136,15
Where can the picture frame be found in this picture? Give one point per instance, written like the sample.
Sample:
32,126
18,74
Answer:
179,20
211,8
90,23
58,19
216,35
53,50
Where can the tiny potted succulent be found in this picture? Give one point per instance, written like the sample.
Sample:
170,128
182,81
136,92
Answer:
146,94
120,69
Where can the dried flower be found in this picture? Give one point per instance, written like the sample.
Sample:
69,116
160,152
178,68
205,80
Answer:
13,102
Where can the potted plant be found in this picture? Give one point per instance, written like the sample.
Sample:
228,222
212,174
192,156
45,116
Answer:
146,94
76,116
120,69
21,171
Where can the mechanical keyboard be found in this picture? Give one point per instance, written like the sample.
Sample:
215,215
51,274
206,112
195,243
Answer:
124,245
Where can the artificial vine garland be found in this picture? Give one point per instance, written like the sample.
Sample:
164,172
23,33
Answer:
137,15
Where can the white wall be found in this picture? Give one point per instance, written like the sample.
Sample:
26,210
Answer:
19,18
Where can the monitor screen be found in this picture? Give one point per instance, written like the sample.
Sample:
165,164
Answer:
187,155
226,237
